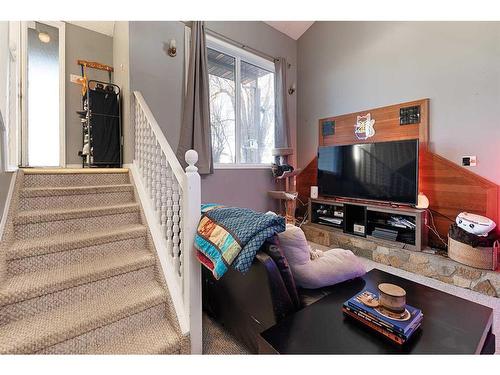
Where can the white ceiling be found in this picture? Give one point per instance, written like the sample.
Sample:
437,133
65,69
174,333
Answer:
294,29
103,27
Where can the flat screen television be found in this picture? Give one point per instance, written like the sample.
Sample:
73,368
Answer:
383,171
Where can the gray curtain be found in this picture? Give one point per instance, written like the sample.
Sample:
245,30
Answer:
195,128
282,130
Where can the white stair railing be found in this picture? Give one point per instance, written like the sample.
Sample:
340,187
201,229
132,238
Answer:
171,198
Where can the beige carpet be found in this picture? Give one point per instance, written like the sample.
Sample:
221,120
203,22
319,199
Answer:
79,273
216,340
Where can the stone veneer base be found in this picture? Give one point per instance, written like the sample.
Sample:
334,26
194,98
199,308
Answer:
431,265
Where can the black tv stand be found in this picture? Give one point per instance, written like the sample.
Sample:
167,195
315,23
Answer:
378,221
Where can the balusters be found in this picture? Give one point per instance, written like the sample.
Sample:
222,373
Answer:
138,135
143,143
153,173
181,243
158,182
163,193
136,131
145,152
175,226
170,213
139,127
149,155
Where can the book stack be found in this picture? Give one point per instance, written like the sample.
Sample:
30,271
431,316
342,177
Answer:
399,328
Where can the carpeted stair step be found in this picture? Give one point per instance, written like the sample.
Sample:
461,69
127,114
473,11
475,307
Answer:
158,338
58,243
58,250
147,332
41,223
44,330
77,294
81,273
35,284
75,177
36,198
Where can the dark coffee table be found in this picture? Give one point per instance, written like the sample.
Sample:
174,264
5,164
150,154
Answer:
451,325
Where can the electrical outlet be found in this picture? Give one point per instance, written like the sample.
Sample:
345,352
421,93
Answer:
469,161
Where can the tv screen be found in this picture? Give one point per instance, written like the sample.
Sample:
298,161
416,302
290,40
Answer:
385,171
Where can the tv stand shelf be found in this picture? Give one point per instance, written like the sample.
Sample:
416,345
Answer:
398,225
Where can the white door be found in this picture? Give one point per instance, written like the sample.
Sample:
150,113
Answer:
42,94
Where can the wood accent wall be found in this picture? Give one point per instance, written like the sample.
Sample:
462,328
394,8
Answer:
449,187
387,126
452,189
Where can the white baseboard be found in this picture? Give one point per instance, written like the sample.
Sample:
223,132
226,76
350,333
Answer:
6,208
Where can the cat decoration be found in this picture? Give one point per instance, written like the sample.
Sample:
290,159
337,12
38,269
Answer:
364,127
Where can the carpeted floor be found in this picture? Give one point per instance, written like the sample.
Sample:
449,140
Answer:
216,340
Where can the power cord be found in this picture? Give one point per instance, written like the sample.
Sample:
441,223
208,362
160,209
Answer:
443,215
304,219
433,229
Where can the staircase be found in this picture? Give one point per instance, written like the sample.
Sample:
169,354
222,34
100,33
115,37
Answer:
80,273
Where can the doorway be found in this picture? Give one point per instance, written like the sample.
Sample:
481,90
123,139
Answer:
42,94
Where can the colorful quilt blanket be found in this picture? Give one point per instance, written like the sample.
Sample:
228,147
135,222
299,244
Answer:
230,236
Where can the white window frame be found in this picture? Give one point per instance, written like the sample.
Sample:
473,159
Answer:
239,54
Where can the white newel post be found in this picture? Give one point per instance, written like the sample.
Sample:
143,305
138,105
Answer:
191,267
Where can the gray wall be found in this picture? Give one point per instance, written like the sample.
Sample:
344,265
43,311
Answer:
160,78
351,66
89,45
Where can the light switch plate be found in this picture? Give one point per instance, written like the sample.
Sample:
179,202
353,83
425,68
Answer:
74,78
469,161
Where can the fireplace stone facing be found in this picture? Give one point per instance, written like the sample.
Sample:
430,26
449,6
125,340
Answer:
435,266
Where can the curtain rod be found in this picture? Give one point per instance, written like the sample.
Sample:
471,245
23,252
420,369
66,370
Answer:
238,44
241,45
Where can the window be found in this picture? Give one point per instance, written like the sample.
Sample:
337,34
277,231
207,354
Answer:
241,106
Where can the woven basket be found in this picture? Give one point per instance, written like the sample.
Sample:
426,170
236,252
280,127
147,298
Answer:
485,258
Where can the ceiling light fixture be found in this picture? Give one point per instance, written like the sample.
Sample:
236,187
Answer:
44,37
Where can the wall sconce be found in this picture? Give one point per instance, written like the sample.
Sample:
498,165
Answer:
172,48
292,89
